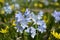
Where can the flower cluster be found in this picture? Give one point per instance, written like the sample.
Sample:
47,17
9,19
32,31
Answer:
9,8
56,15
6,10
22,21
29,20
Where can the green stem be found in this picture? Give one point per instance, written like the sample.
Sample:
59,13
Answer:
37,35
24,36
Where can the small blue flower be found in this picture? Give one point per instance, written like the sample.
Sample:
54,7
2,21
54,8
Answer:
40,14
27,19
31,31
19,17
19,29
46,2
54,0
13,1
17,6
40,22
24,24
27,13
21,26
7,8
33,17
29,0
56,15
41,26
41,29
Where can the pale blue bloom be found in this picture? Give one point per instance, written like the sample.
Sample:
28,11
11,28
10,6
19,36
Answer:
40,14
13,0
29,0
40,22
7,8
21,23
24,24
56,15
16,6
54,0
46,2
26,1
33,17
19,29
41,26
6,4
21,26
41,29
27,13
27,19
19,16
32,31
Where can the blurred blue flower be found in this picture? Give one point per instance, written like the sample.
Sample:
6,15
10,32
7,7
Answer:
29,0
31,31
19,29
13,1
40,14
7,4
27,13
33,17
24,24
21,26
54,0
56,15
16,6
27,20
40,22
41,26
19,17
7,8
21,22
46,3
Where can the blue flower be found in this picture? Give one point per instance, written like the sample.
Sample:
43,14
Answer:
24,24
19,28
20,20
54,0
13,1
27,13
46,2
33,17
56,15
19,17
40,14
17,6
41,26
29,0
27,19
31,31
7,8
